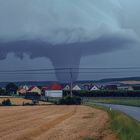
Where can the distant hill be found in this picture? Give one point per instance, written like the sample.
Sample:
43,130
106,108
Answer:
109,80
120,79
28,83
127,80
130,82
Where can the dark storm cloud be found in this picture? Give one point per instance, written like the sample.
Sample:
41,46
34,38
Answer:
38,48
64,55
66,30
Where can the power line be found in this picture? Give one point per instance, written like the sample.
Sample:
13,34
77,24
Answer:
67,69
40,73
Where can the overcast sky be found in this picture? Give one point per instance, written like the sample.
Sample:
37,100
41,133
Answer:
67,33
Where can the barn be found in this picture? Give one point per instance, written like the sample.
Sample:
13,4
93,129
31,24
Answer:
54,90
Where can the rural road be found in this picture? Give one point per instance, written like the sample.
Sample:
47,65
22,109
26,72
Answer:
131,111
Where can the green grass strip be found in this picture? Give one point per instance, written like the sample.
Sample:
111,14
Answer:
123,126
121,101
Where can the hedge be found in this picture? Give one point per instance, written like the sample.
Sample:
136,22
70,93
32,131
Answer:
103,93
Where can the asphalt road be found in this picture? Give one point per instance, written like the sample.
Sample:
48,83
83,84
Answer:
131,111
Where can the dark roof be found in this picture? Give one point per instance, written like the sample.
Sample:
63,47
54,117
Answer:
136,87
111,87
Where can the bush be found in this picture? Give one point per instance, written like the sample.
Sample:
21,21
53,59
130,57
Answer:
6,102
27,104
70,100
32,96
35,101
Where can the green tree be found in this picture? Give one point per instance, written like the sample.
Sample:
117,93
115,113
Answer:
11,88
2,91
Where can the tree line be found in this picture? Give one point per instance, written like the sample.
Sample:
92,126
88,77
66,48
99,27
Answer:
10,89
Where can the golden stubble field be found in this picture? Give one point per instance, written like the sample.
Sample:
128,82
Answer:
53,123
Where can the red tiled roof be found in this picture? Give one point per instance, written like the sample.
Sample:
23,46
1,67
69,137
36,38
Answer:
55,86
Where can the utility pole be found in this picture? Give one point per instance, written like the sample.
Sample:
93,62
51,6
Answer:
71,82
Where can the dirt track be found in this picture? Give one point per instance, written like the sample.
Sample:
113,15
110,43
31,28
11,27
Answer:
52,123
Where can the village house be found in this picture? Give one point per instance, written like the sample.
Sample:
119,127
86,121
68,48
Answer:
123,87
76,88
135,87
67,87
129,87
22,90
110,87
86,86
94,88
34,89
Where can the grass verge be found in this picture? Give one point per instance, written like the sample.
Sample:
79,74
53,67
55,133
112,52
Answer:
122,101
123,126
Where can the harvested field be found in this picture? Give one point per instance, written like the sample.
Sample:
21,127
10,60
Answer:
53,123
130,82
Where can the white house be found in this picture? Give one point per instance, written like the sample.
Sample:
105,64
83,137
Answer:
25,87
67,87
22,90
34,89
94,88
76,87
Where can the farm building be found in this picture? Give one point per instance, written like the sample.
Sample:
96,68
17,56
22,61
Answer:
54,90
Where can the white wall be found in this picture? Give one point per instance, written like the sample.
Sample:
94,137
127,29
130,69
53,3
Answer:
53,93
